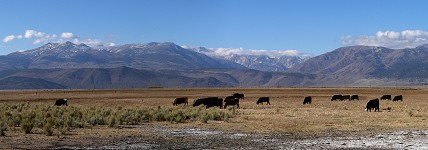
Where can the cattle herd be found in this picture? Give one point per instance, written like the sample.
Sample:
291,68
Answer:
234,100
236,97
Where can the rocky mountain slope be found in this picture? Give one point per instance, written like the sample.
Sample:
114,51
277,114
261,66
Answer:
140,56
357,63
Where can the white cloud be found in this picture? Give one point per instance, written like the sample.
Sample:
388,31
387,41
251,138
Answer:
33,33
390,39
8,38
38,37
241,51
67,35
93,42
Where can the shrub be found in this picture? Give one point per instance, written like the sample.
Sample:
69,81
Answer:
410,113
204,117
63,119
48,129
63,130
17,120
27,125
3,128
112,121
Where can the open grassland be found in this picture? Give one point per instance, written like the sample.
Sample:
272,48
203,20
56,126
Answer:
104,113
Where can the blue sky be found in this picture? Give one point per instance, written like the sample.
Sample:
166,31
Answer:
309,26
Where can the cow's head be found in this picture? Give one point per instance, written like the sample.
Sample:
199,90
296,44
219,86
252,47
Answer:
197,102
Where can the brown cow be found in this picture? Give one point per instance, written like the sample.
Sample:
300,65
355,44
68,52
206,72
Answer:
180,100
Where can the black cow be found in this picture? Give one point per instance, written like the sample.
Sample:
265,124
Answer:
336,97
355,97
60,102
398,98
230,100
263,99
238,95
209,102
348,97
386,97
374,103
307,100
180,100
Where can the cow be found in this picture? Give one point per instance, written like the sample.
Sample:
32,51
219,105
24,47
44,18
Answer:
180,100
355,97
336,97
238,95
231,101
209,102
307,100
60,102
374,103
344,97
229,98
398,98
263,99
386,97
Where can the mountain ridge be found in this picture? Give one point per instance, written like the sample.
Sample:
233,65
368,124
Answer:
68,65
142,56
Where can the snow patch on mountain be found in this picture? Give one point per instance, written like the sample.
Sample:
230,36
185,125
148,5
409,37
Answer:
264,60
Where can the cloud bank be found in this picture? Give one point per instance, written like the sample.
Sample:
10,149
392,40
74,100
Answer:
390,39
240,51
38,37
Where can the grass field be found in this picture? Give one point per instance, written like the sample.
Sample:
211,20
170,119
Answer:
286,114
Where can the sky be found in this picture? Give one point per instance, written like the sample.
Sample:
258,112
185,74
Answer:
306,26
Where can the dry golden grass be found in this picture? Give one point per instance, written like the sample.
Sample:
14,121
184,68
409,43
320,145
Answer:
286,113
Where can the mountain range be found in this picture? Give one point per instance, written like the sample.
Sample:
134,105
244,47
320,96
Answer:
263,62
68,65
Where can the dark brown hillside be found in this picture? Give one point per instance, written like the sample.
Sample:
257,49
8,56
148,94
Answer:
350,64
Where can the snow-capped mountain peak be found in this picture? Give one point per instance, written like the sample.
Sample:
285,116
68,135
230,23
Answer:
264,60
64,49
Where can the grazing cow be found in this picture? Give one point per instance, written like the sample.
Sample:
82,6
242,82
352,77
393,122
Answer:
231,101
348,97
60,102
307,100
263,99
209,102
355,97
374,103
386,97
398,98
238,95
229,98
336,97
180,100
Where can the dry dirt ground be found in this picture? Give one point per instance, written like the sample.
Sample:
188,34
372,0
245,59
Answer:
285,124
